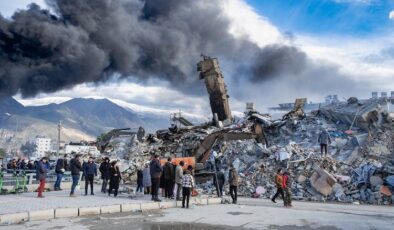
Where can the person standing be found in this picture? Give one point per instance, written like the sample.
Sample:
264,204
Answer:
155,172
233,181
30,165
60,168
324,139
187,187
279,185
287,189
146,181
178,179
41,175
220,182
140,179
105,170
75,168
114,179
168,172
90,171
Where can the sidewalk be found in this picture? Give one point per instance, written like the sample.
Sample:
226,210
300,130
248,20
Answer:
26,206
25,202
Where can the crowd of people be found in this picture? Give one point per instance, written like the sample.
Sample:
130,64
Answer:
175,180
21,164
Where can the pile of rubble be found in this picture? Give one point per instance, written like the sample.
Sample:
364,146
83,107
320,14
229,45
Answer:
359,167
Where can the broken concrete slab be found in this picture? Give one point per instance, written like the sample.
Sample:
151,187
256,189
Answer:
322,181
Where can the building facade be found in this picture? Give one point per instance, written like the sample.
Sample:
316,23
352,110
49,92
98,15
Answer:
43,146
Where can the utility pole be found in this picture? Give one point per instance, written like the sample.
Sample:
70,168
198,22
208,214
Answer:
59,127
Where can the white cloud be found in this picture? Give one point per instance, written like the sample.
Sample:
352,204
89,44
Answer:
141,98
356,1
246,22
391,15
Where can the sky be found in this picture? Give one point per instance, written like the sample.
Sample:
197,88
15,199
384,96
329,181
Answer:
353,38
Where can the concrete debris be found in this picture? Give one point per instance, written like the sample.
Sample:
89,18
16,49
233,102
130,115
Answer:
359,167
322,181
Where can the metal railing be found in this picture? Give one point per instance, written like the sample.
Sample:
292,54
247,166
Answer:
28,177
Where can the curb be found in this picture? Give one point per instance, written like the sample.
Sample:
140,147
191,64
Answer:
15,218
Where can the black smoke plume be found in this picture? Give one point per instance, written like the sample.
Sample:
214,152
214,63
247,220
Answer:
90,41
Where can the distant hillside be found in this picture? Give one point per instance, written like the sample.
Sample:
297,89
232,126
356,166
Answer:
93,116
81,119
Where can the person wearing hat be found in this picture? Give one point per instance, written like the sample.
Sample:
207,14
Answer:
146,179
105,170
114,179
75,168
41,175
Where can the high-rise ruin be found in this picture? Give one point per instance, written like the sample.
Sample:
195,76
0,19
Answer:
210,71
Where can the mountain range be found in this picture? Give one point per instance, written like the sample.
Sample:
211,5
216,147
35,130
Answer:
81,118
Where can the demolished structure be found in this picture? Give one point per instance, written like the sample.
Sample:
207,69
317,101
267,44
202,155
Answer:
359,167
210,71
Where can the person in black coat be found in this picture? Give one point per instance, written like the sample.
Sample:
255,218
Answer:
155,172
140,178
60,168
90,171
220,182
169,177
105,170
114,179
75,168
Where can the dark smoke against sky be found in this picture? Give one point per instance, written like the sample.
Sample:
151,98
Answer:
90,41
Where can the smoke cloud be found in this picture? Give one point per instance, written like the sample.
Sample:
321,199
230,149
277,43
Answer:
92,41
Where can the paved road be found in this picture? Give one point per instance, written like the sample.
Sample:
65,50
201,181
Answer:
249,214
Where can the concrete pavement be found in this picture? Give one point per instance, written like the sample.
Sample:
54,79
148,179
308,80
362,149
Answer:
248,214
25,202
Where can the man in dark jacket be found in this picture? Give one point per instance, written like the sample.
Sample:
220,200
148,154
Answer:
233,181
105,170
75,168
220,182
324,139
89,170
60,168
30,165
155,172
169,176
140,178
41,175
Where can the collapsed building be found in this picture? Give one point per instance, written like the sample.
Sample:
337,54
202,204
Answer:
359,167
